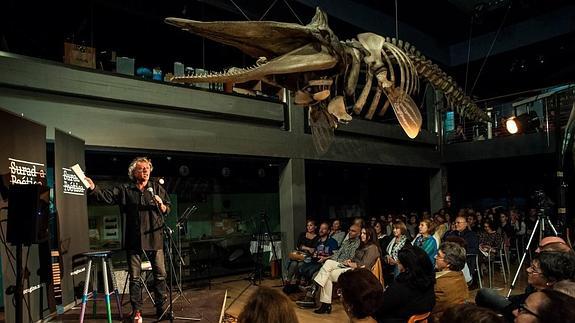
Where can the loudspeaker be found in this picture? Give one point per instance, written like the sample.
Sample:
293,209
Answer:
27,214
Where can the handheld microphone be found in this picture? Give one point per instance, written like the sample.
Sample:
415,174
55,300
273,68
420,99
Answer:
151,190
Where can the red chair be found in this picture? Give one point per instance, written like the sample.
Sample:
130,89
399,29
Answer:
422,318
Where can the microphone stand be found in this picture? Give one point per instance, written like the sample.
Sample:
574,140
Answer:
168,244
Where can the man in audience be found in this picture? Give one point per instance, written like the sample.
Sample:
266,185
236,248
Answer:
336,233
324,248
450,286
472,244
553,243
346,252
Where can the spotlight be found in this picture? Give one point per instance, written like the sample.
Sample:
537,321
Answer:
523,123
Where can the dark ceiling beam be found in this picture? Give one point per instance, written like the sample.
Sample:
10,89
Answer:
534,30
377,22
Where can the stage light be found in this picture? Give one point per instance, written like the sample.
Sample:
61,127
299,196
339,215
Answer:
523,123
511,125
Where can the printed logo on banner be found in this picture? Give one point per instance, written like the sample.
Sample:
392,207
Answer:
26,172
72,184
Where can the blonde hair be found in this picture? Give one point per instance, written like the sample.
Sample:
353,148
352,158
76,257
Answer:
135,162
268,305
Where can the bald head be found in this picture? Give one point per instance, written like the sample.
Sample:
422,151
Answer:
553,244
354,231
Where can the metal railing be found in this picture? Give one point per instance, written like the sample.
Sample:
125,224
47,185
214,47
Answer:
551,107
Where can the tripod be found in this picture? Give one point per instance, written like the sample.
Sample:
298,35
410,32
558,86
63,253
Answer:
539,226
169,247
263,233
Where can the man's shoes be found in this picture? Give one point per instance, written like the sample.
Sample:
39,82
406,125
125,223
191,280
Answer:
306,303
160,311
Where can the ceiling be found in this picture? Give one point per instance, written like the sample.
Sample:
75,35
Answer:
533,49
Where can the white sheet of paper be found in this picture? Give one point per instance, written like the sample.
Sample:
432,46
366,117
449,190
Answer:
80,173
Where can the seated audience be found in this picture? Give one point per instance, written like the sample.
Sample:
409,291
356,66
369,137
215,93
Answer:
361,293
450,286
397,242
468,313
546,306
425,239
545,270
461,230
344,253
268,305
336,233
490,241
412,226
412,291
365,257
382,238
324,248
305,247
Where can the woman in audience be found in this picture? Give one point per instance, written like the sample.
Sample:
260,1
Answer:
412,226
361,294
397,242
336,233
545,270
268,305
365,257
382,238
489,241
305,247
467,313
425,239
450,286
546,306
412,291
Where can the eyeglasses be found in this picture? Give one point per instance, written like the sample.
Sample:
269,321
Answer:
532,270
524,310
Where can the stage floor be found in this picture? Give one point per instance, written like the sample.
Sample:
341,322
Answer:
206,302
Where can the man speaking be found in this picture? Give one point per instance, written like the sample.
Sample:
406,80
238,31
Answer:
143,204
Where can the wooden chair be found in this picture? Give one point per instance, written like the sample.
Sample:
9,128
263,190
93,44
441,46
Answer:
422,318
377,271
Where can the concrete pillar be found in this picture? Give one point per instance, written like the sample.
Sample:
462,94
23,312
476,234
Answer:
292,203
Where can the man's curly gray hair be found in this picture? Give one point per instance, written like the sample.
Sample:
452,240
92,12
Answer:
137,160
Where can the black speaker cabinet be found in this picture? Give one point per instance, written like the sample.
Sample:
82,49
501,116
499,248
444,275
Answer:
27,214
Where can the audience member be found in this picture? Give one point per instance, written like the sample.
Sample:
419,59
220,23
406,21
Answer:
361,294
305,247
336,233
365,257
553,244
545,270
346,252
467,313
324,248
268,305
450,286
461,230
425,239
397,242
412,226
490,241
412,291
546,306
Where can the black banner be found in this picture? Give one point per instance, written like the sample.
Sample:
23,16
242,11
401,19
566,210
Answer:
72,211
22,161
